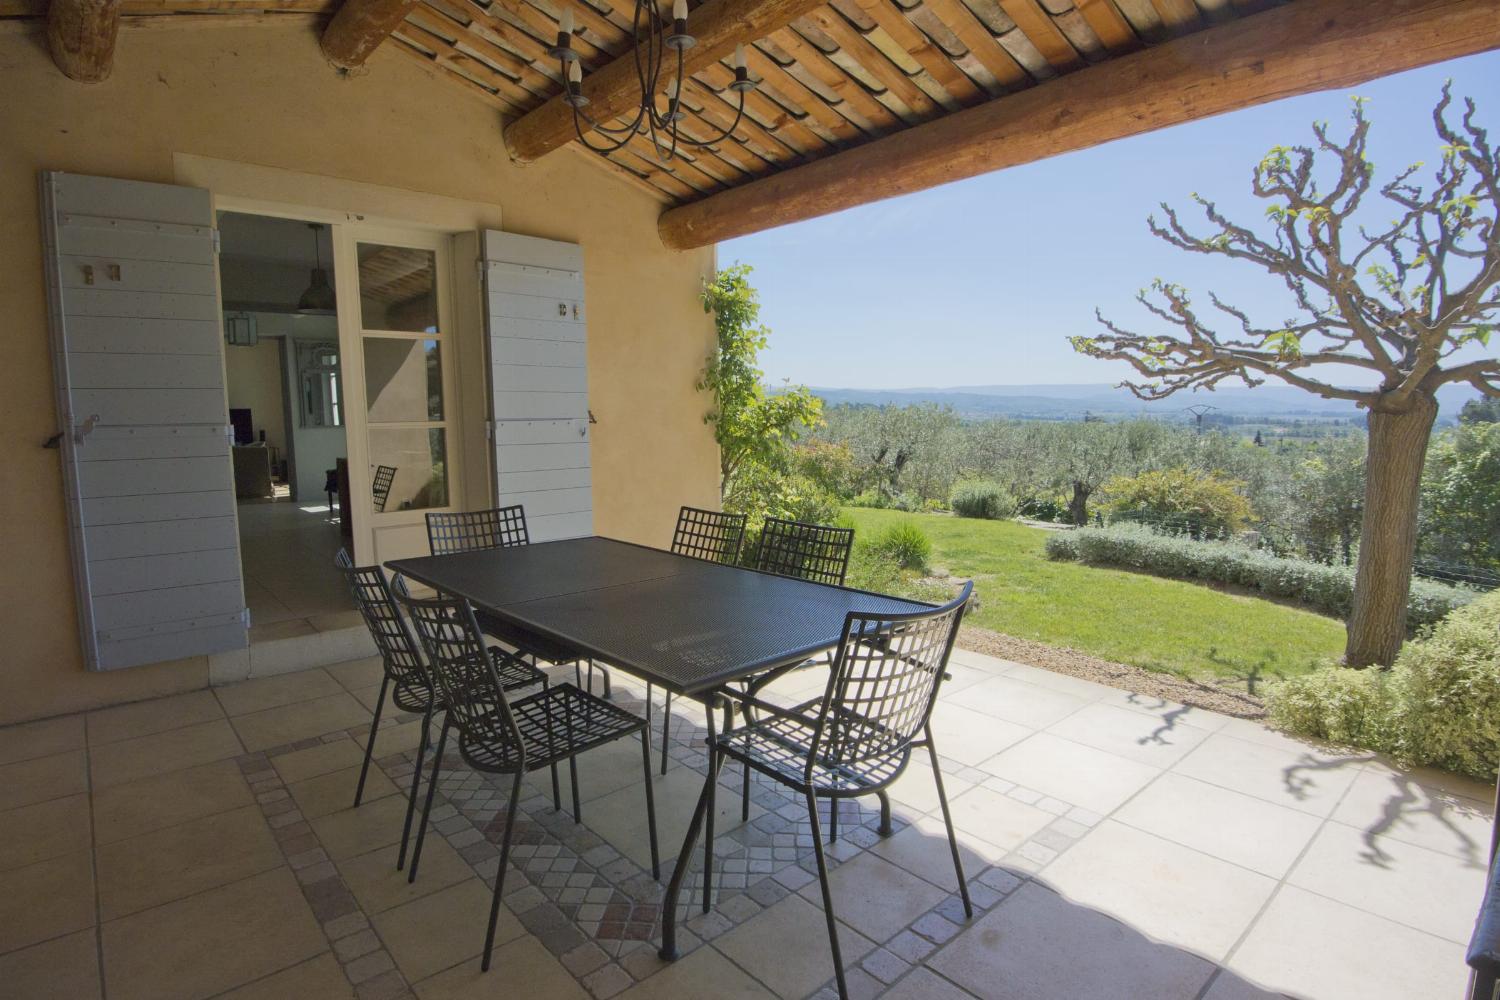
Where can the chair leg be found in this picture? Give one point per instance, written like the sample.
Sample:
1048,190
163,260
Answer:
359,789
572,762
885,813
714,763
650,802
833,928
666,729
437,763
416,779
833,820
958,865
510,825
668,952
648,704
556,791
749,715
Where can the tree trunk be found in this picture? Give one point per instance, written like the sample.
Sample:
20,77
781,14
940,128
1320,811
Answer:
1078,507
1388,535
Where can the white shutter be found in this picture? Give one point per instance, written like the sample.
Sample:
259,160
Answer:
538,376
133,295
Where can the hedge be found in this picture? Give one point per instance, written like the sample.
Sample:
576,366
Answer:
1326,588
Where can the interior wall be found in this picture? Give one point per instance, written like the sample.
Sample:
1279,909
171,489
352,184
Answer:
265,95
253,379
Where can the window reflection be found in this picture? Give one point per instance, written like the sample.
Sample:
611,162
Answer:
403,380
417,454
397,288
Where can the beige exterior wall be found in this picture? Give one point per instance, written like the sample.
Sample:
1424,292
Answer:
265,96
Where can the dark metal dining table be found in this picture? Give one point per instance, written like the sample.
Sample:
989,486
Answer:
688,625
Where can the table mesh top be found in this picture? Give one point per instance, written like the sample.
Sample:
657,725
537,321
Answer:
686,624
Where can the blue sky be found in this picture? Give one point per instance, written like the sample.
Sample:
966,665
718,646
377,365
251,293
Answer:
982,281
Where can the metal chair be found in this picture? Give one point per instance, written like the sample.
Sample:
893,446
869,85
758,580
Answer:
380,486
813,552
713,536
855,740
498,736
406,677
503,528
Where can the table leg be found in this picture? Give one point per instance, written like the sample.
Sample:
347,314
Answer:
668,952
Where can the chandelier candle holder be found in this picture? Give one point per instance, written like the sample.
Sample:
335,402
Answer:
650,54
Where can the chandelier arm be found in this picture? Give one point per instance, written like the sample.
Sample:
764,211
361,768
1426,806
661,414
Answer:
728,133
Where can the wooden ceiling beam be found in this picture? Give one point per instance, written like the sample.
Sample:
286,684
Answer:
81,36
718,25
359,27
1294,49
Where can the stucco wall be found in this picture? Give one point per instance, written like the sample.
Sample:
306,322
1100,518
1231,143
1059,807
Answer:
265,96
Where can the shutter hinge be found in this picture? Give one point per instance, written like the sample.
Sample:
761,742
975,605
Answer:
489,430
245,618
229,434
218,242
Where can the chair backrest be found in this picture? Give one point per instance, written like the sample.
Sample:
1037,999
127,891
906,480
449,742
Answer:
380,486
464,673
709,534
884,683
499,528
807,551
393,640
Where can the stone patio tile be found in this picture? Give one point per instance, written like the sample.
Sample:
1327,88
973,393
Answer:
917,791
1020,702
65,968
262,693
1078,774
319,978
922,984
378,886
299,765
1132,735
1038,946
169,864
1402,882
29,740
289,723
1310,946
44,830
211,942
1247,831
40,779
354,675
1400,805
1258,732
357,831
1228,986
1165,710
1057,681
995,818
969,737
143,718
875,897
160,753
45,900
922,849
1166,891
523,960
705,970
603,770
439,931
786,947
165,800
1302,779
328,793
396,739
969,668
370,698
620,817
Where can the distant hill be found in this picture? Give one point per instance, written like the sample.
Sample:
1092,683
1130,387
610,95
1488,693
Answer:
1072,402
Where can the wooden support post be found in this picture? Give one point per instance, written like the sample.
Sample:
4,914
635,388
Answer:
1293,49
81,35
359,27
718,25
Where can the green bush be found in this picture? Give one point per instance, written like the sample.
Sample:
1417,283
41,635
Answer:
759,492
1439,704
1044,509
1203,505
1327,588
982,499
905,544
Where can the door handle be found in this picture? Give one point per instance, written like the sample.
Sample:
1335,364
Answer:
84,429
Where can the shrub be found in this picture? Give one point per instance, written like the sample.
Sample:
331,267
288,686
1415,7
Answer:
982,499
906,544
1439,704
759,492
1178,499
1044,509
1327,588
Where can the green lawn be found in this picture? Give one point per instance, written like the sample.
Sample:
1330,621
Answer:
1168,625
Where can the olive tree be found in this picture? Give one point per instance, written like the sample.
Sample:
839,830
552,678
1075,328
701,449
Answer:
1405,303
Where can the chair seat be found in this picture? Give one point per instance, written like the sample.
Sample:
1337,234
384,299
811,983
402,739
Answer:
779,746
524,641
412,692
555,724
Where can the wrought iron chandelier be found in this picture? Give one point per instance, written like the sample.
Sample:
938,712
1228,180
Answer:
651,57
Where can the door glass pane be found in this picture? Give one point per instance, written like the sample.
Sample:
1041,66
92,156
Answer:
397,288
418,454
403,380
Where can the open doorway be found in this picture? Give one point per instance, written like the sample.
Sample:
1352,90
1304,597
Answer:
284,382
